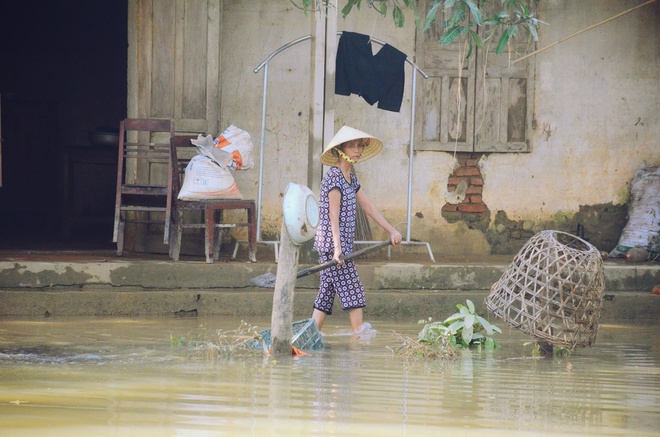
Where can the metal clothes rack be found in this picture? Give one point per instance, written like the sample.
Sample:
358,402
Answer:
264,66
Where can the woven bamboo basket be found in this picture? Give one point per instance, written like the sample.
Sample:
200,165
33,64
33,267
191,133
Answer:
553,290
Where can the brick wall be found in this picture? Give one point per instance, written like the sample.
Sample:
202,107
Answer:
471,208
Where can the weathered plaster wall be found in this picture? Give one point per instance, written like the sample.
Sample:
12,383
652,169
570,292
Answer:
596,121
596,115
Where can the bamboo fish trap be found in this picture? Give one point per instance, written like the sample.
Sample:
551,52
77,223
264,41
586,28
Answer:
553,290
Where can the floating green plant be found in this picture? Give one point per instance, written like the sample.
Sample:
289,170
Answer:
464,329
442,340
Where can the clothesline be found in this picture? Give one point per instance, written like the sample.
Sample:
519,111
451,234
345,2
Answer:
305,38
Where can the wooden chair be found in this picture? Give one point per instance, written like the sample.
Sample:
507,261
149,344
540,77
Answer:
182,150
141,193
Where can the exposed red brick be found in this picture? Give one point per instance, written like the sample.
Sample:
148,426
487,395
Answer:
471,163
472,207
467,171
476,181
455,181
476,199
474,190
448,207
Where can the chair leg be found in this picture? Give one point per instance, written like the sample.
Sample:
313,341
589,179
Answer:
252,233
120,233
115,232
175,239
217,235
172,235
209,234
168,224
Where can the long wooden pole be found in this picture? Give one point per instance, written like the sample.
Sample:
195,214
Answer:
285,283
583,30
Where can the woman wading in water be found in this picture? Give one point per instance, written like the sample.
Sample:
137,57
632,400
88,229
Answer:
340,193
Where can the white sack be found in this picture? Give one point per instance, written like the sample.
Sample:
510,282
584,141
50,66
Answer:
203,179
643,227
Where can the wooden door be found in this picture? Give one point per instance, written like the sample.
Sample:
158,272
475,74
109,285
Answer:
173,66
173,73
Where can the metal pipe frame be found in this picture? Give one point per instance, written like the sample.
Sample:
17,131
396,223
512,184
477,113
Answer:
264,66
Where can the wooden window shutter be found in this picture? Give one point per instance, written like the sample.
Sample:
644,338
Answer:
480,104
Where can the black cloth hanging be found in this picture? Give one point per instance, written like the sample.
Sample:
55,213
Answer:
376,78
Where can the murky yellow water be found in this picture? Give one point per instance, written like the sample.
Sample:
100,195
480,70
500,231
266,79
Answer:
124,377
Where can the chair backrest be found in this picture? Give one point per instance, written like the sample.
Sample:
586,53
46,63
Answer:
181,151
143,143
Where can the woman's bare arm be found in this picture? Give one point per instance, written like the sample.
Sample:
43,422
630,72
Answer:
372,211
334,197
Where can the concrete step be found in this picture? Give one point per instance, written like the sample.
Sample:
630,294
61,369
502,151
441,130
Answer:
94,284
146,274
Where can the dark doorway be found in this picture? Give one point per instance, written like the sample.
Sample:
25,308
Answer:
62,75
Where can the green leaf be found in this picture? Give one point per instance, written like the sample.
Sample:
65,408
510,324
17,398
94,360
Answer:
383,9
466,335
431,15
532,31
449,4
347,9
399,18
456,326
502,16
457,16
463,310
470,305
432,332
474,9
504,40
477,40
486,324
453,318
524,10
469,321
490,343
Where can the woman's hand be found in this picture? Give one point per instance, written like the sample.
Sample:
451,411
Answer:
395,237
337,255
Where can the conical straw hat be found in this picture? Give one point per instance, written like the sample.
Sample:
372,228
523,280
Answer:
347,133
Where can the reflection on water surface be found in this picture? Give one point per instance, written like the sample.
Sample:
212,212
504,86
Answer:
113,376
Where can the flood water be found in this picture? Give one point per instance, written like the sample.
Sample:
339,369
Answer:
145,377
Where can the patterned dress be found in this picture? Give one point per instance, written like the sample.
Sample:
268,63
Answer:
342,280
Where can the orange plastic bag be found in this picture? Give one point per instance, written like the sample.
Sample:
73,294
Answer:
237,142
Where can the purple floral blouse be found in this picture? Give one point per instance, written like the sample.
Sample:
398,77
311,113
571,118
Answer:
334,178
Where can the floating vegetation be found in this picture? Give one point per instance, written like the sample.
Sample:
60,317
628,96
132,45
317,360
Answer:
230,343
440,349
463,329
544,349
442,340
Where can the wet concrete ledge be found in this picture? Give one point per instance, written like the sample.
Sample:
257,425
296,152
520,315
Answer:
401,304
381,275
147,287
